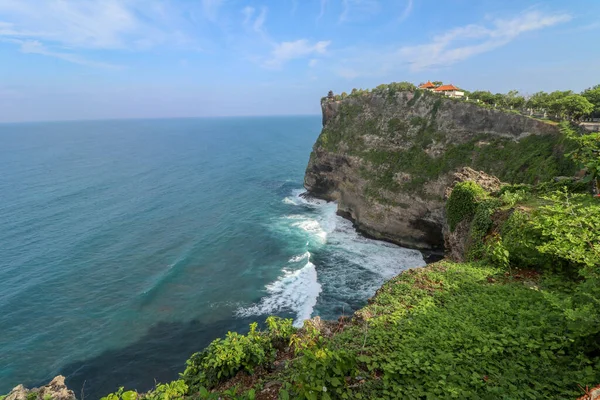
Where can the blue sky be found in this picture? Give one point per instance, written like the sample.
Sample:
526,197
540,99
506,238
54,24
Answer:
94,59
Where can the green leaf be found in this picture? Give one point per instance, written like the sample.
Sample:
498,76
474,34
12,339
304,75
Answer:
284,395
129,395
335,381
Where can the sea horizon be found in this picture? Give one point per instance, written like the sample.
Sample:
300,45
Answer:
156,118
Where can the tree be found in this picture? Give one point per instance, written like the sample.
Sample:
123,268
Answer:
555,104
587,154
575,106
539,101
593,96
437,83
514,100
517,102
483,96
500,100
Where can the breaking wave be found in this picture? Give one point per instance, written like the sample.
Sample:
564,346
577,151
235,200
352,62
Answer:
342,269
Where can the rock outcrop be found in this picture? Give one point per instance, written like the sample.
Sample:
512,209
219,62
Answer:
55,390
388,157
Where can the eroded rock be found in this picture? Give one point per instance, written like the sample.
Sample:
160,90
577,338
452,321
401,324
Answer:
55,390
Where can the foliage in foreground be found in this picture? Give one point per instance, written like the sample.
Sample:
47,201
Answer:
520,320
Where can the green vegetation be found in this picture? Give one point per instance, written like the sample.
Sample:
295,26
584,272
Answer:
560,105
520,321
463,202
224,358
533,159
587,153
593,96
390,89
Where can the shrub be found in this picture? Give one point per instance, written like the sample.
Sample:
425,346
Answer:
587,153
280,331
511,198
121,394
224,358
569,229
462,203
321,374
480,226
498,253
309,337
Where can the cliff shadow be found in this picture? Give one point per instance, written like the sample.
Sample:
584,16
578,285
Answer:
158,356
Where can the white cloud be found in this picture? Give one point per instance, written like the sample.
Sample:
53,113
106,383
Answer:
248,12
73,25
443,50
83,24
322,12
35,47
9,29
287,51
407,10
461,43
313,62
258,22
355,10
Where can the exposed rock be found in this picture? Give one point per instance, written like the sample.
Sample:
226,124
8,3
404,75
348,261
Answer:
387,159
55,390
489,182
591,394
18,393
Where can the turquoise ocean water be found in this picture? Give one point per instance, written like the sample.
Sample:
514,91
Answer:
125,246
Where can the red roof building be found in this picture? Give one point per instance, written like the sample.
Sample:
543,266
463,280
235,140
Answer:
449,90
427,85
446,88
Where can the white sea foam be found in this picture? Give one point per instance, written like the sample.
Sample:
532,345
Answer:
299,258
297,199
353,266
313,228
295,291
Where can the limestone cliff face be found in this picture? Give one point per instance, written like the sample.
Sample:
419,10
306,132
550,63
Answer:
387,158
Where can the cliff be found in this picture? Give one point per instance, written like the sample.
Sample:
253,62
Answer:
388,156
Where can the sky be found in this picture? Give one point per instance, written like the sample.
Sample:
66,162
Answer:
100,59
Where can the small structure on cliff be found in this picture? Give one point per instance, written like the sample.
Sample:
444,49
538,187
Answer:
427,86
449,90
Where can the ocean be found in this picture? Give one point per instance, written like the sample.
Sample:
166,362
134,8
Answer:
127,245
